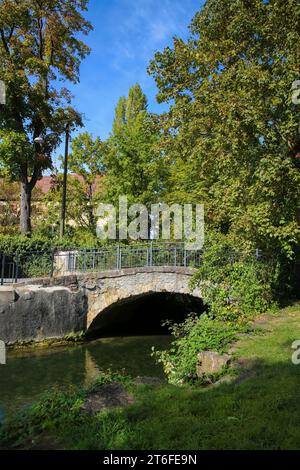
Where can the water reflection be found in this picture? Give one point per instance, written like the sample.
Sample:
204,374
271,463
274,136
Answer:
28,375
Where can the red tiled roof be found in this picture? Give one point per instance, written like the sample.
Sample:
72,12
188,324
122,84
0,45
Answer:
45,184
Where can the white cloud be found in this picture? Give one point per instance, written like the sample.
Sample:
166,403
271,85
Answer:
143,26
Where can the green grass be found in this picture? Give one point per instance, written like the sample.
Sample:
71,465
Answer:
261,412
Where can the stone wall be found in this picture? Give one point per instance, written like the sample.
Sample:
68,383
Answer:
52,308
35,313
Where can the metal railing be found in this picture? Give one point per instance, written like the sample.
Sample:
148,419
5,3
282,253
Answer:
18,267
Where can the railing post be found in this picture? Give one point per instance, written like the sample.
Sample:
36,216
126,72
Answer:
175,256
12,272
148,257
184,257
52,263
2,269
17,269
84,261
118,258
151,255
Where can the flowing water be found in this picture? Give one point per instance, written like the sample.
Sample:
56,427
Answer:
27,375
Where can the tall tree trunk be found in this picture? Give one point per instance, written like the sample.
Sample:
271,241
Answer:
25,216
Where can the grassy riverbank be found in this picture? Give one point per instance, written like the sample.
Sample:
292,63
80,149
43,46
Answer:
259,410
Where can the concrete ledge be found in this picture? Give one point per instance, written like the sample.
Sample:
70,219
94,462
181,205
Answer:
8,295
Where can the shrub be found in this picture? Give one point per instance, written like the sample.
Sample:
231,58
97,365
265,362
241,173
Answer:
22,245
236,286
193,336
235,283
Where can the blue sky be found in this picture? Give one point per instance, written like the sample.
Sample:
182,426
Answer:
126,35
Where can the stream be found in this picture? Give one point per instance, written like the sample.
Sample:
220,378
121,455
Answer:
28,374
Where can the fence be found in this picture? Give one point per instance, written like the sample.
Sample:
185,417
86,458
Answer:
19,267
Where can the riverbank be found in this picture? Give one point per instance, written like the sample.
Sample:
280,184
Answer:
29,372
66,341
259,411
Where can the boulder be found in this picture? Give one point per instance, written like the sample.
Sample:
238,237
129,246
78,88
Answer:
110,395
210,362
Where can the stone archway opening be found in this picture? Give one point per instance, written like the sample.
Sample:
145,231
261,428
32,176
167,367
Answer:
144,314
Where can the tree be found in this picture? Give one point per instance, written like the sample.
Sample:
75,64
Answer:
80,205
231,135
132,158
39,47
85,185
9,206
86,160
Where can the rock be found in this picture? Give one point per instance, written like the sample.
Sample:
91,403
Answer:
111,395
90,286
148,381
210,362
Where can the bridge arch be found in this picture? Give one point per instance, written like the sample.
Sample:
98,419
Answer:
61,305
119,289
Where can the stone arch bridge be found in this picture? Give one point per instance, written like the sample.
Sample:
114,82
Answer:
54,307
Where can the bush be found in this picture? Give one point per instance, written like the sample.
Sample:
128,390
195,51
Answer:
58,414
193,336
235,286
22,245
235,283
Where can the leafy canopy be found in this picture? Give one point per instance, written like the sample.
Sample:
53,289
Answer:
133,158
39,47
231,135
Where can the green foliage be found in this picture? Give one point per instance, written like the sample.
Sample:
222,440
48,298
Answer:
83,198
235,283
193,336
22,245
75,337
235,286
133,158
33,255
109,376
9,197
14,148
86,158
231,136
39,48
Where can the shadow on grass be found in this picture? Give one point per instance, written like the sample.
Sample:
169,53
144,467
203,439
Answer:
261,411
